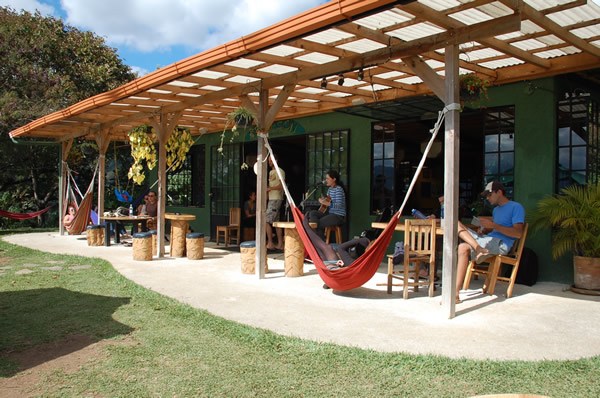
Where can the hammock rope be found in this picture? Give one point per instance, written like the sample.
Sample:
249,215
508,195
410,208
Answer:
366,265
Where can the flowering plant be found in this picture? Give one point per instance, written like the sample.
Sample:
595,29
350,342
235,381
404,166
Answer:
142,139
472,86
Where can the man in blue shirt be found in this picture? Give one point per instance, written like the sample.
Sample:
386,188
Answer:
503,228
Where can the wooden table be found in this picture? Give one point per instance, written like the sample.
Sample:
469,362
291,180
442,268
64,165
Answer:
293,249
116,220
400,226
179,228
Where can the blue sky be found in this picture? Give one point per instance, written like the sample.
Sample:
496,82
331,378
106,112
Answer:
149,34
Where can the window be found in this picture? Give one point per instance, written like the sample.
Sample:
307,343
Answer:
382,175
499,147
327,151
578,129
185,186
225,179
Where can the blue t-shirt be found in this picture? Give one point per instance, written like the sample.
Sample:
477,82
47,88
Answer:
338,201
507,215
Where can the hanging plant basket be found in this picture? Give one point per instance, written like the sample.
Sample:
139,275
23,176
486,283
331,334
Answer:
243,121
473,88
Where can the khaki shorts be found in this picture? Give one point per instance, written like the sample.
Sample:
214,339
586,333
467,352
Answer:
272,213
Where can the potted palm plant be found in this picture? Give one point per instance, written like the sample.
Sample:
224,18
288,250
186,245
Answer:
574,216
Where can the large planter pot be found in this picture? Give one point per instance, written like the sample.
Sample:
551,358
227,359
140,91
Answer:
587,273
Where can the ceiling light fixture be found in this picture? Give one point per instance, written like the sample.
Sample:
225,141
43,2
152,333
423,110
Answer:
361,74
324,83
341,80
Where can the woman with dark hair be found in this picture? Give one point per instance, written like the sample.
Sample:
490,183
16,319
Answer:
333,207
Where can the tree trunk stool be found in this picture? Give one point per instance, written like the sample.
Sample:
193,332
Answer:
248,255
95,235
142,246
194,245
154,241
293,253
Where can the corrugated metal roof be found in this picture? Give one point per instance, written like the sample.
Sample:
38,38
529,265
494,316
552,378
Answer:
376,39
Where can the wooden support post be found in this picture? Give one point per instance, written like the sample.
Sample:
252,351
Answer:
62,205
164,124
103,141
451,173
261,188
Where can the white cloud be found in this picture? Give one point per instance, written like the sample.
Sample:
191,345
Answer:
29,5
151,25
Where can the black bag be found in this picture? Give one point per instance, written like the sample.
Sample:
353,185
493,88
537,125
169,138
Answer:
528,268
373,233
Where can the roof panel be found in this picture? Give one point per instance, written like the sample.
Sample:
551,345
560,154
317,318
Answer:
362,46
416,31
317,58
329,36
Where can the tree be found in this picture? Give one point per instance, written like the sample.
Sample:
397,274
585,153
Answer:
46,66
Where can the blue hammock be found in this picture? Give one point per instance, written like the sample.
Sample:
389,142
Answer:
123,196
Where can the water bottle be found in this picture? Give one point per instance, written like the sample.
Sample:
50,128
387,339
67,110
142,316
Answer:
442,211
130,209
417,214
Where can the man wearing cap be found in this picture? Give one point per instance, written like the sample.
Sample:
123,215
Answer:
496,234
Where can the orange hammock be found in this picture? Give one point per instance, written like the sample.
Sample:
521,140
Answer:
84,208
361,270
23,216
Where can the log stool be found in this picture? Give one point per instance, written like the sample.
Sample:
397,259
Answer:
194,245
154,241
248,255
142,246
338,234
95,235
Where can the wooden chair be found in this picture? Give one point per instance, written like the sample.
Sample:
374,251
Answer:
231,232
493,266
338,234
419,248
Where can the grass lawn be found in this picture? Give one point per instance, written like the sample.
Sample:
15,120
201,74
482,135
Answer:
109,337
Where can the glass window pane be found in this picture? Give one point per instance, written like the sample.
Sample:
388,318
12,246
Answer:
491,163
491,143
389,150
507,142
578,158
507,163
577,139
564,158
563,136
377,150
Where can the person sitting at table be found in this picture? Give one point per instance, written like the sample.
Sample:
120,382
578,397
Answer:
142,208
152,209
250,210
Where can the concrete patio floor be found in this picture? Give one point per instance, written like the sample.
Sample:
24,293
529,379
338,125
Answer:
546,321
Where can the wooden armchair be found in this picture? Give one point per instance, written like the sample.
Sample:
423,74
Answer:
231,232
419,248
492,267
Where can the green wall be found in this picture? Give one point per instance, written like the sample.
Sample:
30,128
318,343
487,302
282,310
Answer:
535,159
535,142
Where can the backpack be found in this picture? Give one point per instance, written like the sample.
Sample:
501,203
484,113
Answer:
373,233
528,268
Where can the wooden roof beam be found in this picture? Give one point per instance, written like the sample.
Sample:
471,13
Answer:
546,23
446,22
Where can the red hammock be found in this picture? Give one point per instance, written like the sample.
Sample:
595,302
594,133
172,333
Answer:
23,216
361,270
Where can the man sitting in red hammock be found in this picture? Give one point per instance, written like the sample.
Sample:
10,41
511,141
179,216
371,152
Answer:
335,256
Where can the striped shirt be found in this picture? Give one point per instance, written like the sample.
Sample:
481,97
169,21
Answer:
338,200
